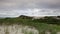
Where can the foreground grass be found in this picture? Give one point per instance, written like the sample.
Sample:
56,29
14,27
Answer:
40,25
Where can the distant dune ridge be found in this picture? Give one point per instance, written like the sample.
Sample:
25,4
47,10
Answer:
38,17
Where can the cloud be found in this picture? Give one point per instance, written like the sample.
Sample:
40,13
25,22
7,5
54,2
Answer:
29,7
28,3
42,12
9,13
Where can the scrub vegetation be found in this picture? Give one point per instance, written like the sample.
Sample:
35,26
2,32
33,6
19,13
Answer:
50,24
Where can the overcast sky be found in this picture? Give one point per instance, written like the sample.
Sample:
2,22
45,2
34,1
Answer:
14,8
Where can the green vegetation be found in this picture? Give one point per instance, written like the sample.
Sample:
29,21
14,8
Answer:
47,24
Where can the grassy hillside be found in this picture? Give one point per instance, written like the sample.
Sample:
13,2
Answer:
43,25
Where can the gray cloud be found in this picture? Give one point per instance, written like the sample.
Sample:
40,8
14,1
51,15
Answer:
28,3
14,7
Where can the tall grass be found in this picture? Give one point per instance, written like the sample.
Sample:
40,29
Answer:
49,24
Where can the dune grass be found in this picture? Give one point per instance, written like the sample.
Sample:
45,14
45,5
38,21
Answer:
42,24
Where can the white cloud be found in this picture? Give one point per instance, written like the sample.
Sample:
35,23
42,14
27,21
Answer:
40,12
31,12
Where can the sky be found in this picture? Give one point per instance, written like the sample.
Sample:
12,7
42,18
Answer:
14,8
